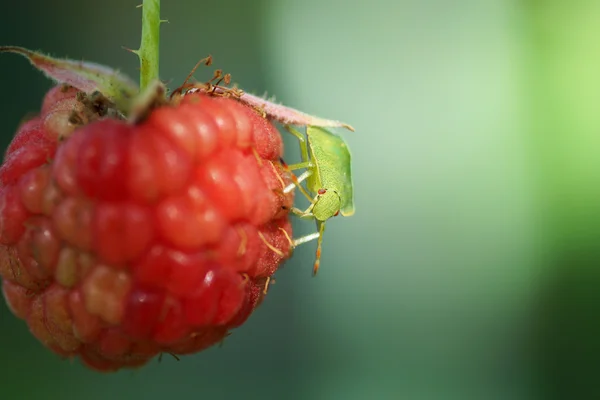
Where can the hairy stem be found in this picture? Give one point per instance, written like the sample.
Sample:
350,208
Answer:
149,48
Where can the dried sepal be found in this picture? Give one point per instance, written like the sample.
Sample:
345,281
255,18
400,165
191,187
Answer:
85,76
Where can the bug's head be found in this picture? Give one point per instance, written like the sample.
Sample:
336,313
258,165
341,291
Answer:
327,205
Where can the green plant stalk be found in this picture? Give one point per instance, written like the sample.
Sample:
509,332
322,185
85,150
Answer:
149,48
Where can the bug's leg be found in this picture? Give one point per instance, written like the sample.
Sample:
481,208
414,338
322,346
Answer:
302,214
298,241
296,180
302,140
305,239
319,244
300,165
286,189
306,163
309,238
306,214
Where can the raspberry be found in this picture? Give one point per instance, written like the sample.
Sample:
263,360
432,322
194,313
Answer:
120,241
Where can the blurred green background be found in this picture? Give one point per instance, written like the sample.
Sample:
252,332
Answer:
471,268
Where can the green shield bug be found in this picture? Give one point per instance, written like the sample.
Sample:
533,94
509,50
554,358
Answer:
326,159
328,175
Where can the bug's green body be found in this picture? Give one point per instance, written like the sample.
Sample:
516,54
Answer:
328,176
331,160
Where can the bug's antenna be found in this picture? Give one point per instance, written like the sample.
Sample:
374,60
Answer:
319,243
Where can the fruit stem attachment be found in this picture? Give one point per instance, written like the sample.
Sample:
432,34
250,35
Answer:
149,48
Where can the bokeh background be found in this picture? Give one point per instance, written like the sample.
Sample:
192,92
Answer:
471,269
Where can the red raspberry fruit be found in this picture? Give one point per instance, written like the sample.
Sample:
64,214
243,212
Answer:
122,241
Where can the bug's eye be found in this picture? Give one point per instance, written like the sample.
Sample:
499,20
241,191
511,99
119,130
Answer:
322,191
336,213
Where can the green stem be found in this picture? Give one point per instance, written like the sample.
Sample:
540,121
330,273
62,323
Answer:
149,48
